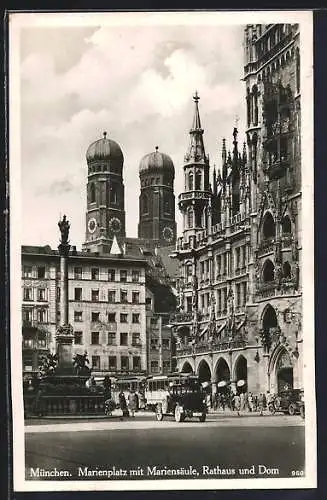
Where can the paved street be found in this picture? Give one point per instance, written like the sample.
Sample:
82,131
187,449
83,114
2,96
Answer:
219,448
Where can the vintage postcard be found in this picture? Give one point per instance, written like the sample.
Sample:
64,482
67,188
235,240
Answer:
161,222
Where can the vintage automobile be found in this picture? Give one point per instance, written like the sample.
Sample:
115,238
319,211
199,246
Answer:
184,399
290,401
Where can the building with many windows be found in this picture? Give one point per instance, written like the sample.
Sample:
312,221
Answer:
106,308
239,285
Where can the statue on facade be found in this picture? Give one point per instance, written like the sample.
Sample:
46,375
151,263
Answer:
64,226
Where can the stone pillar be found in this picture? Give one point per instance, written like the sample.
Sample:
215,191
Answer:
64,334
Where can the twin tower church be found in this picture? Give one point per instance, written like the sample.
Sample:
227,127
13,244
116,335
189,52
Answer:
105,217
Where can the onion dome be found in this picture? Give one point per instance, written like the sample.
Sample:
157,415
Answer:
155,161
104,149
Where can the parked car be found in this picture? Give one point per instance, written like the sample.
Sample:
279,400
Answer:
290,401
185,399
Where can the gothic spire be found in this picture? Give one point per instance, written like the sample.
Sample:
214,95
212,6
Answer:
214,180
196,150
224,153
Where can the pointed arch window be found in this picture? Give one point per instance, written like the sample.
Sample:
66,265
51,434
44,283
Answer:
198,180
190,181
92,193
114,194
248,107
287,270
286,225
255,117
268,272
190,217
269,228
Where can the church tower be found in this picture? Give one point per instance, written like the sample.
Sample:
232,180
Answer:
195,201
157,199
105,214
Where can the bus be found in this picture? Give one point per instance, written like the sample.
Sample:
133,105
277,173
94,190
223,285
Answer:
127,383
157,386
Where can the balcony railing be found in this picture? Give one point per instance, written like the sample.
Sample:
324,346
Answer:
196,194
266,246
266,290
211,346
287,241
277,169
181,317
63,405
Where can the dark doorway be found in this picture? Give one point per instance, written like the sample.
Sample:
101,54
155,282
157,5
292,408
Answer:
204,372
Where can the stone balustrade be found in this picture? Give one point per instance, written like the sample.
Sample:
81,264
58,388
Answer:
48,405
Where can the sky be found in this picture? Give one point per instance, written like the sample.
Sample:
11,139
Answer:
135,82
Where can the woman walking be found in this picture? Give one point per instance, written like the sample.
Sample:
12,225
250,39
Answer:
123,405
132,403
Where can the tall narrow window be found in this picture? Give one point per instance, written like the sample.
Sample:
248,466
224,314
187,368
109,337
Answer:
198,180
92,193
145,204
190,181
190,217
298,70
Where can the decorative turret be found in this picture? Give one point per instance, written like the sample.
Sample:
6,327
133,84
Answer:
194,201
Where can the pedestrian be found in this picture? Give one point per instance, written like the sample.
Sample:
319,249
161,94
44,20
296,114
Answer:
132,403
260,403
90,383
264,401
250,402
242,402
237,403
106,388
123,405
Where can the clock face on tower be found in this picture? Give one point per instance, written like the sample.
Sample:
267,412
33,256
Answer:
168,234
115,225
91,225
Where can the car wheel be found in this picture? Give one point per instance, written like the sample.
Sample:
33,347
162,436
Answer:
159,414
291,409
271,408
203,417
302,412
178,414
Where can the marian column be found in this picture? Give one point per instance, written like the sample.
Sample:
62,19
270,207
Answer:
65,334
